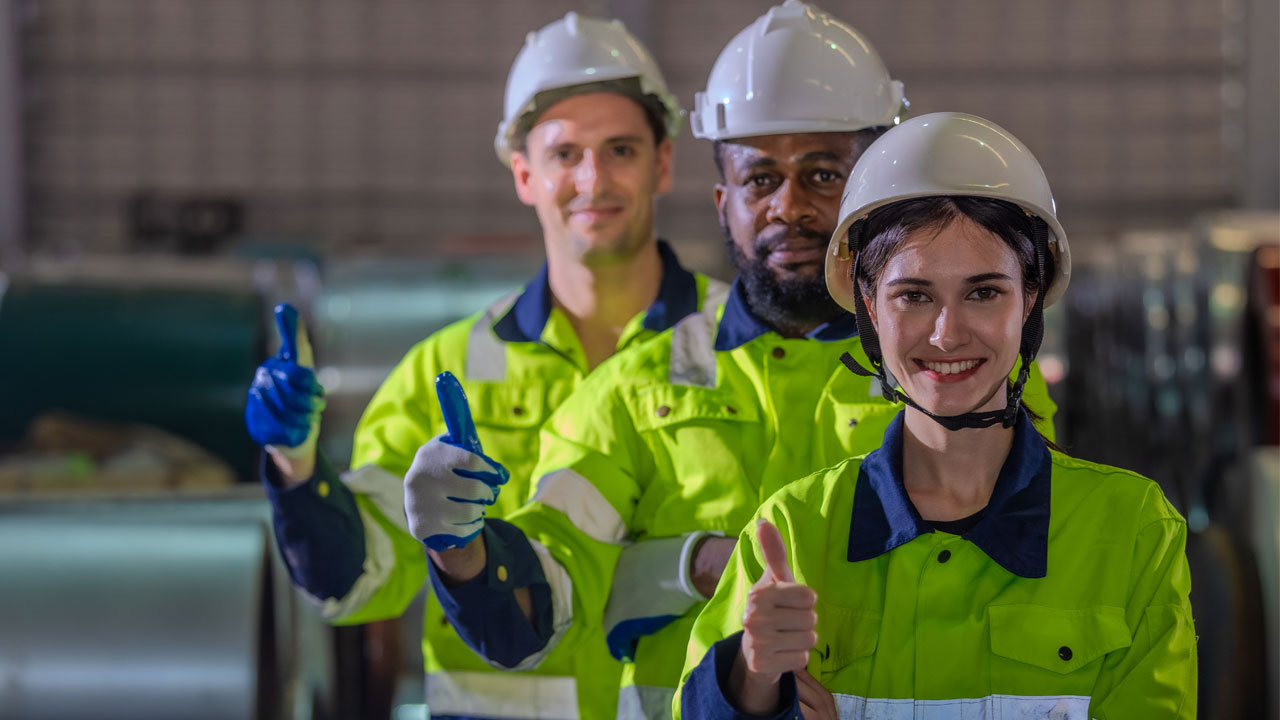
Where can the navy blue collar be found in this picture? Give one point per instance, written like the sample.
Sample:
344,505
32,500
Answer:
1014,532
739,326
677,297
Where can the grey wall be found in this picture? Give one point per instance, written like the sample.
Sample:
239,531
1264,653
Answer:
366,125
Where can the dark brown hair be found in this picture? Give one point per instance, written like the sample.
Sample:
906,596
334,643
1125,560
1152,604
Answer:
888,227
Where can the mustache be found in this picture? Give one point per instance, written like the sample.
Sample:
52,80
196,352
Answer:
770,239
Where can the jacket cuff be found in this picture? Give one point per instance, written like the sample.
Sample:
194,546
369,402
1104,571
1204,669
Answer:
484,612
706,692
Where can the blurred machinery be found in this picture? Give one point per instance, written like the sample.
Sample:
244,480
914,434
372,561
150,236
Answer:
135,543
1172,340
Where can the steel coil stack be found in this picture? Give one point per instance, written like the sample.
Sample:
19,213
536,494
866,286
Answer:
1164,378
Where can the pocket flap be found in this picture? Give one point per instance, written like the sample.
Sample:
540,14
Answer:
845,635
662,405
1055,639
506,406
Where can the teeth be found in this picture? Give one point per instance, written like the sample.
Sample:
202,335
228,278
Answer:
951,368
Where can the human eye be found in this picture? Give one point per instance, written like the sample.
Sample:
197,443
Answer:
911,297
760,181
986,293
623,151
824,176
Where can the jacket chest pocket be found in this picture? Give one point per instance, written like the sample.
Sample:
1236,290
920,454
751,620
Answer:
859,426
705,437
1053,653
508,419
847,640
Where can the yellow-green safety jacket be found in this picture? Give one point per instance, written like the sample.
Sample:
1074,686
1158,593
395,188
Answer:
517,361
1068,599
691,432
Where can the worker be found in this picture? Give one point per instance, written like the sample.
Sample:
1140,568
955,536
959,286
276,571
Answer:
965,568
587,133
679,441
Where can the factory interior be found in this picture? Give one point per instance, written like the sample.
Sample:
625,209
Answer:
171,170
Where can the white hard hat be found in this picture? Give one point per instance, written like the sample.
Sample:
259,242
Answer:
578,51
945,154
796,69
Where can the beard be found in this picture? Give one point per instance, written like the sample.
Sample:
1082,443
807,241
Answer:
791,305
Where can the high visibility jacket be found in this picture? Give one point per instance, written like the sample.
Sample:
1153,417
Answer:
691,432
1069,598
517,361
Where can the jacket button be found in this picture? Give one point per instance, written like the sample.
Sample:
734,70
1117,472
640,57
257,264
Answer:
944,556
853,422
517,410
663,411
732,410
779,353
1064,652
322,488
502,573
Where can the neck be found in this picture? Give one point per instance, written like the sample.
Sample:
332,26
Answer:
599,301
949,474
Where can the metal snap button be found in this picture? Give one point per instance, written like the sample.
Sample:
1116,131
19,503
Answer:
663,411
1064,652
944,556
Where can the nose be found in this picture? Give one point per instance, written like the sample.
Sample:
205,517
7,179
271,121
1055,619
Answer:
590,174
790,204
949,330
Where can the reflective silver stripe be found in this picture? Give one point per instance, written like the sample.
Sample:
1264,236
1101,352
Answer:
589,511
715,296
693,353
645,702
486,354
991,707
561,606
502,695
386,492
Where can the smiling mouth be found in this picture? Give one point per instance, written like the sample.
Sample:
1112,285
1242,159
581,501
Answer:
952,369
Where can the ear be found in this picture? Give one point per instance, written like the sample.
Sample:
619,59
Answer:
1031,303
521,173
722,196
666,166
870,302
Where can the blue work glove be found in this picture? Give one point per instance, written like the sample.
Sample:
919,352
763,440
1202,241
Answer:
285,400
451,481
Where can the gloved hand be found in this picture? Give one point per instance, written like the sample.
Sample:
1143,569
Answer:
285,400
451,480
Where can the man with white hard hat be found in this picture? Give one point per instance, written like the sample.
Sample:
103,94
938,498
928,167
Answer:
675,444
587,132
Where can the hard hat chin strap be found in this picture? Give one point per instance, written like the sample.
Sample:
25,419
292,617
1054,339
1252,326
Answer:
1032,336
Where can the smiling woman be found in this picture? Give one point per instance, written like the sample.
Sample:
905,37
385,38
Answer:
965,567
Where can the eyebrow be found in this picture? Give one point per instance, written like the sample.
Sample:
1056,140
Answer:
971,280
818,155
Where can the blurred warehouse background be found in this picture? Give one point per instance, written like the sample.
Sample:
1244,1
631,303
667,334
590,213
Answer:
169,169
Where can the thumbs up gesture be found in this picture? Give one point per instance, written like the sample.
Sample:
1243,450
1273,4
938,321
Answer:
451,481
779,625
282,412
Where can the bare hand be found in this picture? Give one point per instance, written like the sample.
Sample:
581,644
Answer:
816,702
779,628
709,560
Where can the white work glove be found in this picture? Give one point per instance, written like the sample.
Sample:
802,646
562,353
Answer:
451,480
651,587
